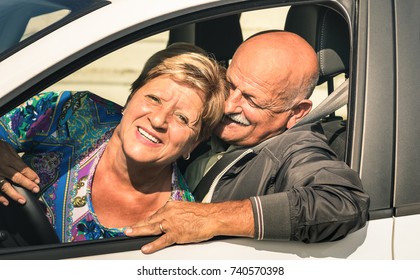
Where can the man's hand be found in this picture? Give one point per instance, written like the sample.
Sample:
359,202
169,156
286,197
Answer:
188,222
13,169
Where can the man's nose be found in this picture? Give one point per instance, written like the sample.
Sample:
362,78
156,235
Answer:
234,102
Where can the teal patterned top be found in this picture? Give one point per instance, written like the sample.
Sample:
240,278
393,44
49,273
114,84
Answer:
63,136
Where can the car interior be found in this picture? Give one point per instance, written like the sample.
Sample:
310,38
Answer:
27,225
321,29
328,33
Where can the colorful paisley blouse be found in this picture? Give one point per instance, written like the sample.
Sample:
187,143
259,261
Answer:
63,136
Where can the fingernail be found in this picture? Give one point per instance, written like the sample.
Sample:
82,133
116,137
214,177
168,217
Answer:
128,230
35,190
5,203
21,201
37,181
145,249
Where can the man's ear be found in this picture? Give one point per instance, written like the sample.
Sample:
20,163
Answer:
299,111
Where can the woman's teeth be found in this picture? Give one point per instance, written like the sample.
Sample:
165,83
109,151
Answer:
148,136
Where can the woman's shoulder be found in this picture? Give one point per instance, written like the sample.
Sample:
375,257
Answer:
81,104
78,99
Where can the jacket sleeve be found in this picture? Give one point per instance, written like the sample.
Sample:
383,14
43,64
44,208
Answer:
317,199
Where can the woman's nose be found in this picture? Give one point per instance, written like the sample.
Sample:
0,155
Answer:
234,102
159,119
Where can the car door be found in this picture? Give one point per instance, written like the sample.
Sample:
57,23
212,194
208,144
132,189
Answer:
385,131
368,25
407,152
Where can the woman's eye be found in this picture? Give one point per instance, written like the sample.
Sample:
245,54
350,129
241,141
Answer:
153,98
182,118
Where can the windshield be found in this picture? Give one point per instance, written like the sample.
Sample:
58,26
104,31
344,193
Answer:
25,21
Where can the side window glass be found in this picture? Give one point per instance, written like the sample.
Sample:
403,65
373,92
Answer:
41,22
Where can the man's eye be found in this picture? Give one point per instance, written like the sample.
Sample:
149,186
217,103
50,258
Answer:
251,101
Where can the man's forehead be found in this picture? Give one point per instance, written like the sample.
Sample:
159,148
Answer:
249,82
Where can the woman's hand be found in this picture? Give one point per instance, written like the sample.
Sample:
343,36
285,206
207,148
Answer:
14,170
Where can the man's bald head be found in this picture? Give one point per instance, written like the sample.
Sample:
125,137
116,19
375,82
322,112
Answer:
283,58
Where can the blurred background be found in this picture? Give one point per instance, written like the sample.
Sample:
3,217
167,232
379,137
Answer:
112,75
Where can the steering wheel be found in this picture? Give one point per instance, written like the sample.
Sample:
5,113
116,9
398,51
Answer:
27,224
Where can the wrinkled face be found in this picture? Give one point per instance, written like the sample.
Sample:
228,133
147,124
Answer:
161,121
253,112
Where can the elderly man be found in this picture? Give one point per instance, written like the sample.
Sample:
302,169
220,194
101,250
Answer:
282,183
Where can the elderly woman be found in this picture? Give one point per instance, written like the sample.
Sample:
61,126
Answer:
99,168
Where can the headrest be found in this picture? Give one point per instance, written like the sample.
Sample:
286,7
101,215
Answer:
219,37
327,32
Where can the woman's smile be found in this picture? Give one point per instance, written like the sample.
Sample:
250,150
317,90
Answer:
148,136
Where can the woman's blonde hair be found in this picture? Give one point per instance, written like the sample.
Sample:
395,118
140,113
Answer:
189,64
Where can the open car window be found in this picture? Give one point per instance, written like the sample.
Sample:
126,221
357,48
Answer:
111,75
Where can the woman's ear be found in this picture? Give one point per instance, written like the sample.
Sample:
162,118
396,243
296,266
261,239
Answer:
193,146
299,112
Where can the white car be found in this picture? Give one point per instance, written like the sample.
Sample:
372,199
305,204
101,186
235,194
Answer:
100,46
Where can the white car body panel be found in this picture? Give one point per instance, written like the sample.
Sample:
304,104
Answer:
406,240
372,242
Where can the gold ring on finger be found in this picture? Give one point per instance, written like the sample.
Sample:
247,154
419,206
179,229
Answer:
161,228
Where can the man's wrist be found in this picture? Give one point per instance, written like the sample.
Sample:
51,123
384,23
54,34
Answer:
233,218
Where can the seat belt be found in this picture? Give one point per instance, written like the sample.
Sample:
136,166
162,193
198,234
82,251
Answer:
218,169
223,165
334,101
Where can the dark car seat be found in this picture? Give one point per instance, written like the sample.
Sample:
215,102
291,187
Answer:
328,33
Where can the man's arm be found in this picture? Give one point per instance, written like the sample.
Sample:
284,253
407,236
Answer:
189,222
319,200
